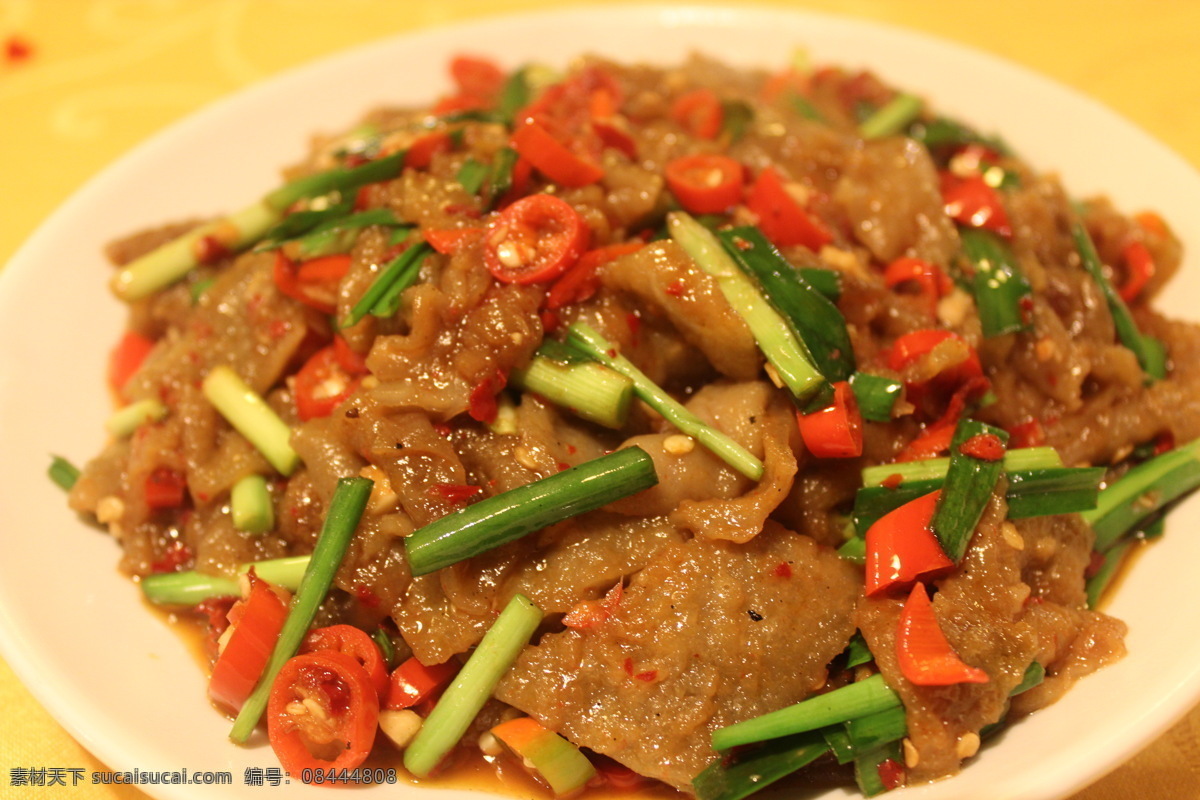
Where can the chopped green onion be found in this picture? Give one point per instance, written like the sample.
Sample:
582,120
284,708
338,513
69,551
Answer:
804,107
736,117
1148,355
167,264
386,648
840,705
857,652
472,175
510,515
1021,458
515,94
250,415
125,421
63,472
345,510
758,769
1142,491
875,730
1035,673
586,339
339,235
876,395
339,179
591,390
1001,291
1031,493
473,686
826,281
251,506
500,178
854,550
190,587
967,489
839,743
782,347
809,315
892,118
949,134
867,766
300,223
383,296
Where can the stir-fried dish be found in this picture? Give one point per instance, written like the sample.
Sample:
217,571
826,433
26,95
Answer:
635,425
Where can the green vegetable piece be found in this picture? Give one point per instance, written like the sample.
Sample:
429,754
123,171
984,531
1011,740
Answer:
125,421
251,506
339,179
734,779
472,175
190,587
473,686
892,118
876,395
345,510
1127,332
1138,495
778,342
589,341
875,730
63,473
809,315
967,489
382,297
592,391
508,516
840,705
1002,294
1021,458
250,415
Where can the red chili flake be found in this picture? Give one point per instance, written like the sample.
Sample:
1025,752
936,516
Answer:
366,595
1094,564
572,449
17,49
1164,442
209,249
648,676
1034,600
202,496
456,493
482,406
550,321
174,558
677,288
985,446
443,429
891,774
562,465
893,481
278,328
1025,304
782,570
741,244
629,666
635,325
463,209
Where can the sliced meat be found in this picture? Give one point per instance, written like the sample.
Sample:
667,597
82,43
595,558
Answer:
707,635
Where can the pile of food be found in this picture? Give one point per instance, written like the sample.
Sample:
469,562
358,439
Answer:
635,424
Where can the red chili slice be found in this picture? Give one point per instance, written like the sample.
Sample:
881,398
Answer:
1141,268
551,157
322,384
126,358
579,282
165,488
699,113
705,184
781,219
256,622
313,282
924,655
835,431
902,547
354,642
412,682
322,713
971,201
934,284
535,239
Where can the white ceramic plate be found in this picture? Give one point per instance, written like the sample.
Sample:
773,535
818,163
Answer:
125,685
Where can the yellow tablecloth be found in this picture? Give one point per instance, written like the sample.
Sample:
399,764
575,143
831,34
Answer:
82,81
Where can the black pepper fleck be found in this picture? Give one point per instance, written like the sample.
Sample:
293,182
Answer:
754,615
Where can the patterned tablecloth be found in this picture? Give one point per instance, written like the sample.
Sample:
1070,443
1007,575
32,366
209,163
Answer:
83,81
